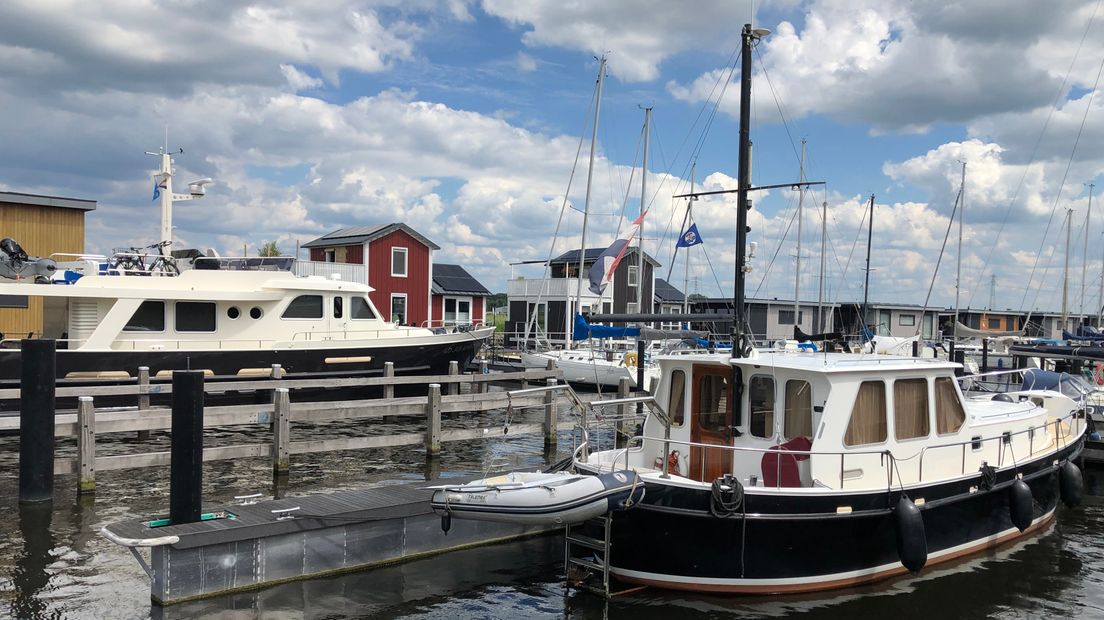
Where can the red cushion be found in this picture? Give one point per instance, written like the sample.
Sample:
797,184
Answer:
780,467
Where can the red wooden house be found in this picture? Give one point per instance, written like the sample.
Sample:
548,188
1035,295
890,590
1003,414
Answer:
458,298
398,262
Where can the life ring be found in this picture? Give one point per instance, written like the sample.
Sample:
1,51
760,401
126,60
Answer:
1098,373
631,359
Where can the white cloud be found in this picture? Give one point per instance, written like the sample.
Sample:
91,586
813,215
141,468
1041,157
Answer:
526,63
299,80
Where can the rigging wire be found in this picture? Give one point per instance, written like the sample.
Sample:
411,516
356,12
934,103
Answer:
938,261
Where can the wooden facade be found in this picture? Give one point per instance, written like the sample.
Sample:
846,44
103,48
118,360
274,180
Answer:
43,225
415,285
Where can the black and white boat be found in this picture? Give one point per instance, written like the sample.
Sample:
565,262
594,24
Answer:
793,471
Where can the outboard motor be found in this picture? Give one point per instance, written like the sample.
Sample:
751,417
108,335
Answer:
15,264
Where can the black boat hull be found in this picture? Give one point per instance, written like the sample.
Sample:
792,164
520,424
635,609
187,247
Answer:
784,543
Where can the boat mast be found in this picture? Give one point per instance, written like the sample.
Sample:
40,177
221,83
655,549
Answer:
797,265
823,250
961,220
1085,260
869,238
1065,272
586,207
686,264
740,346
643,208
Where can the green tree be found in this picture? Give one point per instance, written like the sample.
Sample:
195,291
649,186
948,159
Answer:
269,248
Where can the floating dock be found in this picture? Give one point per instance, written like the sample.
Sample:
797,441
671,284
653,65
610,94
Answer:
253,545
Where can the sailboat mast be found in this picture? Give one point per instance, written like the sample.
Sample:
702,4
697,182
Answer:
797,265
686,264
823,250
586,205
1084,261
643,208
869,239
961,221
743,180
1065,272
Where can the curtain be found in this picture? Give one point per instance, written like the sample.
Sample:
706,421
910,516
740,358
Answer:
675,404
868,416
949,415
910,408
761,402
799,410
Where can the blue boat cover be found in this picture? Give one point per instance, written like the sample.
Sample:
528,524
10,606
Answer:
1036,379
584,330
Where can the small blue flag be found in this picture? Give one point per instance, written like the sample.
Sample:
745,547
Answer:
690,237
156,190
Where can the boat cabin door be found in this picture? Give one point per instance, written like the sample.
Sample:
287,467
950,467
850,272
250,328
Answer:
710,422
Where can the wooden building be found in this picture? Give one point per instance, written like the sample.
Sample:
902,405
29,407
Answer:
458,298
46,226
398,261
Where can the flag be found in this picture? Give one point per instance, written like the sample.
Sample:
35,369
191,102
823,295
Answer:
156,190
690,237
601,273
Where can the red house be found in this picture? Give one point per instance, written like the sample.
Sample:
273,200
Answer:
397,260
458,298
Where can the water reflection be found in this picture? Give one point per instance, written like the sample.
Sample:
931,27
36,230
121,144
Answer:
30,576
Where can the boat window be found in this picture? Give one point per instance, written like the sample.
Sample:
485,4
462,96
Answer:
949,415
910,409
233,312
713,403
304,307
761,404
337,307
195,316
255,313
676,403
149,317
799,410
359,308
868,416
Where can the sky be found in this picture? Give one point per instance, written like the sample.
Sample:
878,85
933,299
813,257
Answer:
470,121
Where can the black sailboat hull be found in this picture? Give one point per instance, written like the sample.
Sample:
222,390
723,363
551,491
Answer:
225,365
800,543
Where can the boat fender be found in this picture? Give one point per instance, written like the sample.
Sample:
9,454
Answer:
726,497
446,522
912,542
1070,483
1020,504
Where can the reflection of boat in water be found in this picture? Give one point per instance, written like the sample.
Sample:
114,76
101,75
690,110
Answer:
534,498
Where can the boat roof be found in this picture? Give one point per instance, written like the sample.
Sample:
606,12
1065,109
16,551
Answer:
805,361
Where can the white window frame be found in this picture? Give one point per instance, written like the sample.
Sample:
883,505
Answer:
406,262
391,308
455,320
329,255
901,319
634,276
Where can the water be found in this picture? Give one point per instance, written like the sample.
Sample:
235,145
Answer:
54,564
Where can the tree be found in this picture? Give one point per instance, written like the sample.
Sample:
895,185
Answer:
269,248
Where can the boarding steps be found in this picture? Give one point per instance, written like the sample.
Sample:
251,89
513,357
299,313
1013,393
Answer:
595,558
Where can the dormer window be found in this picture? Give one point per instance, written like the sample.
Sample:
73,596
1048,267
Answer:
398,262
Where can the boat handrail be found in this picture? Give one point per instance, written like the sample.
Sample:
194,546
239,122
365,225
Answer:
396,330
1076,429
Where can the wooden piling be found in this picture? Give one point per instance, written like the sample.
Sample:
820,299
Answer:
454,370
36,420
389,371
143,396
551,436
186,460
86,446
433,422
481,387
281,432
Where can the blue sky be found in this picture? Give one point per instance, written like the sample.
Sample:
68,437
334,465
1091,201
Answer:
462,118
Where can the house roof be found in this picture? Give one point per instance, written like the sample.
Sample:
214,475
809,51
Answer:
664,292
592,254
47,201
365,234
450,279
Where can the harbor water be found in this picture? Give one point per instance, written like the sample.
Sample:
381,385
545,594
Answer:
54,564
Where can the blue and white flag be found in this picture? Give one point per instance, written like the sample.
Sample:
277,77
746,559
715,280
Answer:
156,190
690,237
601,273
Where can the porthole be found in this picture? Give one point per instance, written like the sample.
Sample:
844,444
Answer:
255,312
233,312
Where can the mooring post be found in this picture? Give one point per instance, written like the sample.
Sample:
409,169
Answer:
623,391
389,372
143,397
433,423
960,358
36,420
86,446
186,452
916,348
984,355
454,371
483,371
640,387
281,435
550,432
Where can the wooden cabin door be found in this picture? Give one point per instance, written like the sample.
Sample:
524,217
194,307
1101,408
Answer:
710,422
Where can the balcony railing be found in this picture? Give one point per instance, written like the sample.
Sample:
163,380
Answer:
349,272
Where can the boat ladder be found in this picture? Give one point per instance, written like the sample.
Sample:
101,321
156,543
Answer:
595,559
